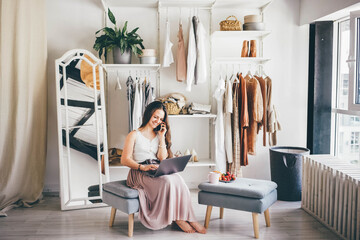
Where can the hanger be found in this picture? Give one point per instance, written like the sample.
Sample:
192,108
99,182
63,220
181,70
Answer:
167,14
118,85
263,72
257,72
249,72
236,79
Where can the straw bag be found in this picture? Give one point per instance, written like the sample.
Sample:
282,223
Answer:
172,108
230,25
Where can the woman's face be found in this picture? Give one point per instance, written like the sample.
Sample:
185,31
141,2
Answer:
156,118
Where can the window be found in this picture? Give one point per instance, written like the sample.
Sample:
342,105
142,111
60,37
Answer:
354,62
354,144
347,122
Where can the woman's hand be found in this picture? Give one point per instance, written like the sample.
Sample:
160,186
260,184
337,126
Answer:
149,167
163,129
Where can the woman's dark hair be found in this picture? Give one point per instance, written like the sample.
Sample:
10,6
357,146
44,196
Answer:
149,111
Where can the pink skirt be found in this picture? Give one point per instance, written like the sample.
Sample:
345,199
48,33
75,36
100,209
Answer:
162,200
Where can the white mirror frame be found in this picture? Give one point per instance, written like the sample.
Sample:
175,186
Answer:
68,201
353,106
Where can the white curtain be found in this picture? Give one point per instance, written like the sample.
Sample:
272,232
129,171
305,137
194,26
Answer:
23,101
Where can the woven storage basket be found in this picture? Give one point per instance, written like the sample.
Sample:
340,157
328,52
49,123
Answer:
172,108
230,25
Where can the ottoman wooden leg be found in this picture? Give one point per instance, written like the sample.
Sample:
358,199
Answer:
221,213
131,225
207,217
267,217
112,216
255,224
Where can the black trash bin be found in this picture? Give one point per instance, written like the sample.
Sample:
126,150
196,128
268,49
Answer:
286,171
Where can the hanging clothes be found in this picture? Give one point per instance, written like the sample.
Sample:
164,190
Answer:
235,166
244,121
220,157
191,58
228,110
201,66
168,56
255,109
264,94
130,91
149,94
273,124
181,57
143,96
137,114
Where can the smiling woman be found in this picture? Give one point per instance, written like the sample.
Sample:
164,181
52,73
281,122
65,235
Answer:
157,195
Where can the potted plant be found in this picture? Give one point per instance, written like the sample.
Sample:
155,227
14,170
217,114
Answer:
120,41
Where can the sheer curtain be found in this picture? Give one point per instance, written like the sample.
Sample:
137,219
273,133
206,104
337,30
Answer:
23,101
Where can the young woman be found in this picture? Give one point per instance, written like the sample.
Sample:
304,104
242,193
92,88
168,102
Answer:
163,199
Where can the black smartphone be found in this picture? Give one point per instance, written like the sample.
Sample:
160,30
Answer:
157,128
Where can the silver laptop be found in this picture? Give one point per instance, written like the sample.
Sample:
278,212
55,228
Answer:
170,166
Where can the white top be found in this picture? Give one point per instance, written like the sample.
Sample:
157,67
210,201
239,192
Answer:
145,148
201,68
137,108
220,156
228,109
168,56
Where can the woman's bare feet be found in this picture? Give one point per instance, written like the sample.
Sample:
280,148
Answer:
185,226
198,227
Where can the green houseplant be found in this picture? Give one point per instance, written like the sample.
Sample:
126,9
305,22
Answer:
120,41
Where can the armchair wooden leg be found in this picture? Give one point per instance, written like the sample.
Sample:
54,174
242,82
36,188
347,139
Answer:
131,225
112,216
207,217
255,224
267,217
221,213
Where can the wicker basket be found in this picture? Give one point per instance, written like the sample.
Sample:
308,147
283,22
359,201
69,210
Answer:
230,25
172,108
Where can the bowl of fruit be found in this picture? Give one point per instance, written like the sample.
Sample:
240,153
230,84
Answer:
226,177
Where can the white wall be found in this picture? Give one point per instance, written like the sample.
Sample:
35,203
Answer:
72,24
311,10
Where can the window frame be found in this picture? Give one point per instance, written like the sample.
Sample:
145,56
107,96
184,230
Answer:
353,61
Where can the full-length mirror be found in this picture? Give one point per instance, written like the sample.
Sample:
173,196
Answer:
82,137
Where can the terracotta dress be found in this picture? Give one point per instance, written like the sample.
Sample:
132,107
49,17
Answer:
243,121
255,108
163,199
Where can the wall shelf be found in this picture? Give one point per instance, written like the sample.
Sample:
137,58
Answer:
245,4
202,163
239,34
261,4
240,60
193,116
113,66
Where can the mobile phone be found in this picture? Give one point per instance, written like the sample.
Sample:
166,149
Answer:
157,128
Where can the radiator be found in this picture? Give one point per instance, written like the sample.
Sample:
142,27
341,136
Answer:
331,194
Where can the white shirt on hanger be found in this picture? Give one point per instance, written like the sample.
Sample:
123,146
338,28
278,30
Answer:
191,58
168,56
220,157
137,110
201,68
228,109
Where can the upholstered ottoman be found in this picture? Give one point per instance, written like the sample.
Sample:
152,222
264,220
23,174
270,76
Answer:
119,196
244,194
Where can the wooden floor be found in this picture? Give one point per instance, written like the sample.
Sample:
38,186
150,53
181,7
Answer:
47,221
